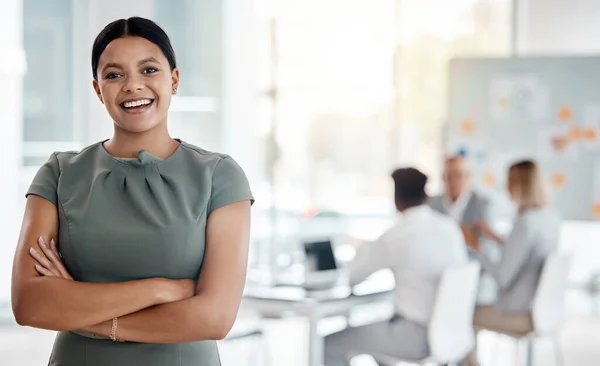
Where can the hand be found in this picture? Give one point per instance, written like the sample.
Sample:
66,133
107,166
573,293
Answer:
485,230
49,261
470,238
176,290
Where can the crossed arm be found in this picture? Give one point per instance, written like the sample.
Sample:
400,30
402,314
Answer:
153,310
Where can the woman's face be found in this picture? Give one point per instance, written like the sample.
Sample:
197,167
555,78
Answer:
135,83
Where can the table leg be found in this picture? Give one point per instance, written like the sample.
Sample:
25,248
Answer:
315,342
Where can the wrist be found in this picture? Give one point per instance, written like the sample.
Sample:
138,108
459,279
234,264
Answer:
161,290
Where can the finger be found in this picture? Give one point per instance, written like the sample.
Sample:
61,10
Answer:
54,248
41,259
51,255
61,267
43,271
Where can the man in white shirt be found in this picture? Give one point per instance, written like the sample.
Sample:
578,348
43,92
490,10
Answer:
418,249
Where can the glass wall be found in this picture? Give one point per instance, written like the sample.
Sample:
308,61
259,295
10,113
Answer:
195,31
351,89
48,84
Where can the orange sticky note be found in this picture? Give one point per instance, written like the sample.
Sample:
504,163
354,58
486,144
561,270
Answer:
503,103
596,209
559,180
489,179
565,114
575,133
590,134
468,126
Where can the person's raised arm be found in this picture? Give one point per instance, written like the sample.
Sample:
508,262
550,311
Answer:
60,304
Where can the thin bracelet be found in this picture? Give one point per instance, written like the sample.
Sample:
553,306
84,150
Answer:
113,330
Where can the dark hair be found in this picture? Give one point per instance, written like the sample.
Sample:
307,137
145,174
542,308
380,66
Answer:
409,186
135,27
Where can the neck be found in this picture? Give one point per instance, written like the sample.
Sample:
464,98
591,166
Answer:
157,141
403,208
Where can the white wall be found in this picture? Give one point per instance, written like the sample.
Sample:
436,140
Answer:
12,68
239,93
550,27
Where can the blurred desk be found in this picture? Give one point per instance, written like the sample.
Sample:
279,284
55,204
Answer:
279,301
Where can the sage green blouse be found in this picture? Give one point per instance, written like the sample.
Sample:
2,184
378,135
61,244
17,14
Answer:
129,219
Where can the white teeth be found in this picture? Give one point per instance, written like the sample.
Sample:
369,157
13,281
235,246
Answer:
137,103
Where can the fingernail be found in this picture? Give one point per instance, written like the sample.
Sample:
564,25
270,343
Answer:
31,250
42,243
52,242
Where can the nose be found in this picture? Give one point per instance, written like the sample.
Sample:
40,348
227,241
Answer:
133,84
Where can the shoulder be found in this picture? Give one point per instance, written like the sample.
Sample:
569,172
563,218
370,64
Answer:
480,198
62,160
200,155
542,216
445,224
436,201
216,164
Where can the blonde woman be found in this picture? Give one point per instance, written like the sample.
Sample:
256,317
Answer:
533,238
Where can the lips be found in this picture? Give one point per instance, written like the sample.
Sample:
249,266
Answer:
137,105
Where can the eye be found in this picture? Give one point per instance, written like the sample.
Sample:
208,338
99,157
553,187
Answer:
112,75
150,70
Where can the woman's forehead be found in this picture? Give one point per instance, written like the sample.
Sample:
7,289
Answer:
131,50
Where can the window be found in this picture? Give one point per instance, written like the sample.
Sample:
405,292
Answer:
194,28
360,87
48,84
326,91
427,41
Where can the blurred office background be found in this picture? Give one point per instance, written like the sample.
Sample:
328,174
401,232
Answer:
318,100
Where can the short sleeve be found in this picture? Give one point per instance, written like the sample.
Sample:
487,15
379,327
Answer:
229,185
45,182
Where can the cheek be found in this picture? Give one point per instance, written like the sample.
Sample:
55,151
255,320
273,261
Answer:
163,91
109,93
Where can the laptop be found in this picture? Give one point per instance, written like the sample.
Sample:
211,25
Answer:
322,270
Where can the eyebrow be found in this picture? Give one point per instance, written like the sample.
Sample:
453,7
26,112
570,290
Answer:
118,66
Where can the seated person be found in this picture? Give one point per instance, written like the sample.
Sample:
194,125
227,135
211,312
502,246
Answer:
418,250
533,238
460,201
467,206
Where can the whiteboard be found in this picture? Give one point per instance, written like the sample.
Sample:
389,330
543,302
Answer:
543,108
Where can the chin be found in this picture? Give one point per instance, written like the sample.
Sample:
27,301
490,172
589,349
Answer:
137,126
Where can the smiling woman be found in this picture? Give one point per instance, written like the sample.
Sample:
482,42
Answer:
137,246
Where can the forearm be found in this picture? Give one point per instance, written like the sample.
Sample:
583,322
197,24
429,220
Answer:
190,320
58,304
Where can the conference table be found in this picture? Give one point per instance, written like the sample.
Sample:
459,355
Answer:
280,301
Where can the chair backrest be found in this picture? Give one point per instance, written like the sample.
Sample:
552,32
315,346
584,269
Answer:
548,309
451,334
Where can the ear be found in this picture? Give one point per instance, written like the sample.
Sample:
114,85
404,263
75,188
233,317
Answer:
98,92
174,79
